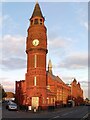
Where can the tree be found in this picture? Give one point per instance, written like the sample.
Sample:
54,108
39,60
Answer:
87,100
10,94
2,92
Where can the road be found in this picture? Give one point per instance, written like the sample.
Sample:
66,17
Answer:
75,112
0,110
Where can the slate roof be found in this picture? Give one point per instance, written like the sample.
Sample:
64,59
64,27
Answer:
37,11
55,77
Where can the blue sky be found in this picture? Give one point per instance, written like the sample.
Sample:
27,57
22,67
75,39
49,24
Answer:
67,35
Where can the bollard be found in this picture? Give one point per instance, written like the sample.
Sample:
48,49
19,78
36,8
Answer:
34,109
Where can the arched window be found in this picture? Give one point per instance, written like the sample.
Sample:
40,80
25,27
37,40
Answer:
41,21
36,21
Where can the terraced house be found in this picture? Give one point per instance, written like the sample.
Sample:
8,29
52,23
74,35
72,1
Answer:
42,88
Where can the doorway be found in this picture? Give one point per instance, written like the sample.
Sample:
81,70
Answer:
35,102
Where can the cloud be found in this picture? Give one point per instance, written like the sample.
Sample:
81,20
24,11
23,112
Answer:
85,86
83,17
85,24
9,25
13,52
0,22
59,42
8,84
75,61
65,55
69,79
5,18
13,63
59,46
83,83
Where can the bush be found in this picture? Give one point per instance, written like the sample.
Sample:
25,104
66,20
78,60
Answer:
23,107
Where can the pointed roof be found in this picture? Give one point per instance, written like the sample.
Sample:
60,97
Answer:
50,64
37,11
74,80
78,84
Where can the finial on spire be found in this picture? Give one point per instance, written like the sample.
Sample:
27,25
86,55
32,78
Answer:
36,1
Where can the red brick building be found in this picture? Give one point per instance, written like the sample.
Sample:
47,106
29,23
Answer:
41,87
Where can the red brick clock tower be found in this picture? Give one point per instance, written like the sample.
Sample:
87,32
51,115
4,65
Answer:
41,88
36,49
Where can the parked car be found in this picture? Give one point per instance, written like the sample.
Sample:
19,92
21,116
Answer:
11,106
87,104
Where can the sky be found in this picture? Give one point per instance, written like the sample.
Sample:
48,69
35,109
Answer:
67,37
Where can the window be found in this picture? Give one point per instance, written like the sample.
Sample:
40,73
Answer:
35,61
35,82
41,21
48,101
18,85
48,87
51,100
36,21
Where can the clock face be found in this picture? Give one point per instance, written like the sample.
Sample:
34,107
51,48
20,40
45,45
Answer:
35,42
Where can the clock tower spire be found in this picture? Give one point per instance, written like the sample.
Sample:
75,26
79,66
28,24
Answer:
37,11
36,49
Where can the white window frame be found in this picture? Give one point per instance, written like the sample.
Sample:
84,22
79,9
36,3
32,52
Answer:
35,81
35,61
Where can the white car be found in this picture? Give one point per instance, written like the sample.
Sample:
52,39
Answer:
12,106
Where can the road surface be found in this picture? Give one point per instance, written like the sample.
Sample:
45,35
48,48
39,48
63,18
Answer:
78,112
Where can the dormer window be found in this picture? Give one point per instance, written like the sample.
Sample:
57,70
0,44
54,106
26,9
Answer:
36,21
